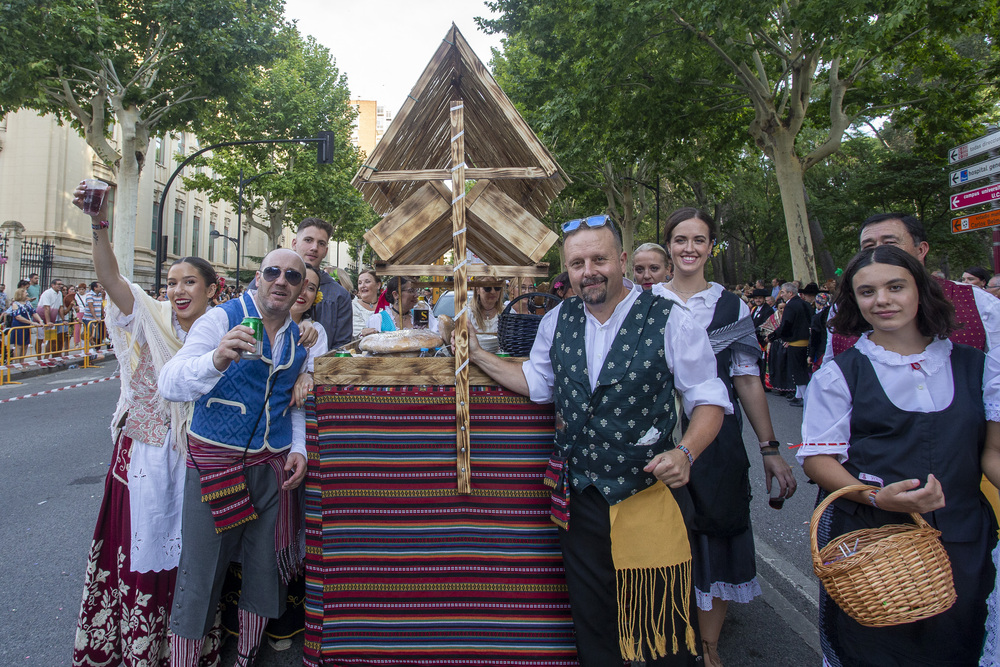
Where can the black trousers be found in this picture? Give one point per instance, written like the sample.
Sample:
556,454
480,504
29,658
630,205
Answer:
590,577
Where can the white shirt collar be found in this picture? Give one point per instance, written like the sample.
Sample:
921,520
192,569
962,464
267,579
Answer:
932,358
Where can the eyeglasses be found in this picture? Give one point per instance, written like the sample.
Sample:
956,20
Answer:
593,222
271,273
409,290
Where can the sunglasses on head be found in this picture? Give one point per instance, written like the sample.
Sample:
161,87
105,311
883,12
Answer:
292,276
593,222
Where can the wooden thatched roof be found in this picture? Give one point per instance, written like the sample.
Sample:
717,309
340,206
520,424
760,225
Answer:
499,147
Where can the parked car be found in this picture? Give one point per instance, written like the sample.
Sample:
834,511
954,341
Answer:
445,305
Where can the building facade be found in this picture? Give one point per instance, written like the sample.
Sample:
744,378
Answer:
372,121
41,162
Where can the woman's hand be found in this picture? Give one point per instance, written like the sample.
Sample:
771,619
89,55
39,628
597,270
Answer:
78,195
906,497
308,334
300,392
776,467
367,331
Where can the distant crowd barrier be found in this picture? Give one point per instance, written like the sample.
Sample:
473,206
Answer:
62,341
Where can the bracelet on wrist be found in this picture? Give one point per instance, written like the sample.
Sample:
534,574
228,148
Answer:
871,498
770,452
770,444
686,452
100,224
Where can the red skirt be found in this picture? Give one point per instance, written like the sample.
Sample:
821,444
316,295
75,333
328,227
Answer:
124,616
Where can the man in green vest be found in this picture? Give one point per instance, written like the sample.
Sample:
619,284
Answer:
611,359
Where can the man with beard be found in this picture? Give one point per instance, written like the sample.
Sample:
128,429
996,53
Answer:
242,419
610,361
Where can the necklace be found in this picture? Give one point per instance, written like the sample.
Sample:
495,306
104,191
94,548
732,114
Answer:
369,304
682,292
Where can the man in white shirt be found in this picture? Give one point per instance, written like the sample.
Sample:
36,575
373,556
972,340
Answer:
242,418
610,361
48,309
976,309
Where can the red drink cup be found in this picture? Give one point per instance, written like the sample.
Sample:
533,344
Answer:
775,499
93,196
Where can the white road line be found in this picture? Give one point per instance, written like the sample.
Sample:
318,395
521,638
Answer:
52,391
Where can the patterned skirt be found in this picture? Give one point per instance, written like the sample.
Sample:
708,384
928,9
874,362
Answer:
123,617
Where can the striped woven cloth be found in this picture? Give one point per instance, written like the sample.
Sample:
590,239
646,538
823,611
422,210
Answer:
400,569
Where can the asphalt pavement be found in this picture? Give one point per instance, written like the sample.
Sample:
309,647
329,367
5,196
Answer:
55,450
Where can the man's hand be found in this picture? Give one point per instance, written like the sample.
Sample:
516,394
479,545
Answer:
672,468
308,334
296,464
238,339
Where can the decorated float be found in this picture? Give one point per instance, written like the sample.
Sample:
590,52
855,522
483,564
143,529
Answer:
428,539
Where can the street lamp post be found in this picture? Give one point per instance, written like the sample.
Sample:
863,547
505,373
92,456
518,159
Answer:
324,155
239,219
214,234
656,193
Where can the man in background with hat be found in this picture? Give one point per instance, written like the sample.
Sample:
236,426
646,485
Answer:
794,333
759,314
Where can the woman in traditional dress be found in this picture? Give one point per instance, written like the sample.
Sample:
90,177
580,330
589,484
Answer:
393,310
777,366
364,303
919,439
723,548
132,567
649,265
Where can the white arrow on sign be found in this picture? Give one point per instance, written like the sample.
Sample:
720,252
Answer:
974,147
976,171
975,197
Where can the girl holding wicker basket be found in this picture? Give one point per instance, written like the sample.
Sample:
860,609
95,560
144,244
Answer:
919,440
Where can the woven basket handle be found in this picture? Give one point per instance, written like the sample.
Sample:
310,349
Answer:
528,295
818,513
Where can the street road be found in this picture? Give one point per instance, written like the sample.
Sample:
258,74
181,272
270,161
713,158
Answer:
55,450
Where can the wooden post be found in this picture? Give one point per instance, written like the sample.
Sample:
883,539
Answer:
462,322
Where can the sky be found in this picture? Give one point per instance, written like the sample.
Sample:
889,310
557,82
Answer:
383,45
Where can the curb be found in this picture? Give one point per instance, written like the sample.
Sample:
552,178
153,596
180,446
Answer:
29,369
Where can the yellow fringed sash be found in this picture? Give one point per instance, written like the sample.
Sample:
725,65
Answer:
652,557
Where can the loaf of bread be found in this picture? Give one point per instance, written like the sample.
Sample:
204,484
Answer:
400,342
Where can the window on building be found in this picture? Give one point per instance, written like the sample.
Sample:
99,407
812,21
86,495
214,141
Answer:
158,153
154,232
178,230
195,234
211,241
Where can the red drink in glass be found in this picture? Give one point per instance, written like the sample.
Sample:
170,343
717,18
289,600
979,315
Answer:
93,196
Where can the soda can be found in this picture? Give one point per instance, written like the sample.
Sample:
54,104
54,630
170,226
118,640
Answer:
257,325
342,353
502,354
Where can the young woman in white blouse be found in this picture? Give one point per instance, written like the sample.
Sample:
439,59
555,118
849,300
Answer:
723,548
364,303
921,439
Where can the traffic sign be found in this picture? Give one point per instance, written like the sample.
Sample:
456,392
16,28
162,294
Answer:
977,221
975,172
974,147
969,198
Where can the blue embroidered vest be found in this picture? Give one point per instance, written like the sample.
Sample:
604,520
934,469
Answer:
596,433
226,415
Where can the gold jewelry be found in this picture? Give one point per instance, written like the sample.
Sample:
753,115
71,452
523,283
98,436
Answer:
671,287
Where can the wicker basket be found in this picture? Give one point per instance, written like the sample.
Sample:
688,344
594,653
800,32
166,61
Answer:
517,330
898,573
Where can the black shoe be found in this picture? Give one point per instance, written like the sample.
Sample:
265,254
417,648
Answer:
795,402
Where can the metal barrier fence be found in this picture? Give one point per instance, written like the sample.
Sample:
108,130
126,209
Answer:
60,341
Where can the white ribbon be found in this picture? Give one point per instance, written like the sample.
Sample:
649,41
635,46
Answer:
460,106
461,231
462,367
455,138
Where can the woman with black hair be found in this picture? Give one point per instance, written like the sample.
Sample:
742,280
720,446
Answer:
977,276
129,586
722,544
918,439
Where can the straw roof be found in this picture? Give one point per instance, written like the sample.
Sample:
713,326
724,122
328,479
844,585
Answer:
499,145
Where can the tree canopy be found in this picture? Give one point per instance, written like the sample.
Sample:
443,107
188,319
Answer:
145,65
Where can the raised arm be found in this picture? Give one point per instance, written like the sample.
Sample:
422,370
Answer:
118,289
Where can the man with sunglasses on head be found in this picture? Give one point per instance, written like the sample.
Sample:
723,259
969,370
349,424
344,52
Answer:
611,361
243,417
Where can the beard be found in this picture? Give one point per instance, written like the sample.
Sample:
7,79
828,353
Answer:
594,297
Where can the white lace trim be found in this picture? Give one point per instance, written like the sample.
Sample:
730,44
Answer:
991,647
992,411
741,593
932,358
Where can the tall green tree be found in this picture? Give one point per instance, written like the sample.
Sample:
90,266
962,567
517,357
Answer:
299,95
794,65
143,65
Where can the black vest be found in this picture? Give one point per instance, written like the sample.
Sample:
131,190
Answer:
894,445
596,433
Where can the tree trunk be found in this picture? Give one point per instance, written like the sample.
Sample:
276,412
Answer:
135,144
788,170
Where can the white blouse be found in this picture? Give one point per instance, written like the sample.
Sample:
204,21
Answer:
701,306
920,382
